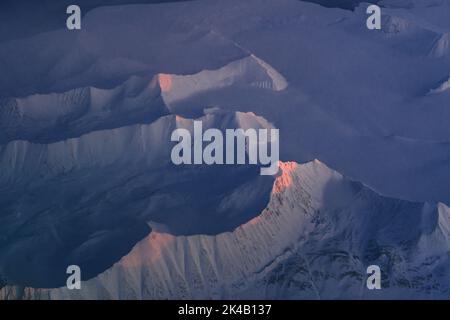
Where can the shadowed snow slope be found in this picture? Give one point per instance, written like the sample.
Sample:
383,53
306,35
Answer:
87,200
355,98
86,176
314,239
249,71
51,117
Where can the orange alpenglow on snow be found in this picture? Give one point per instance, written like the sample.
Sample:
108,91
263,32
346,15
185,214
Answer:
284,180
165,82
148,251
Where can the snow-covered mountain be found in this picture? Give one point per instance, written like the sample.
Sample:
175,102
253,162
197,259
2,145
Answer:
97,192
52,117
315,239
86,177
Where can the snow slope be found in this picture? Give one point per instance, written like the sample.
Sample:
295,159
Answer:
314,239
250,71
77,198
57,116
85,174
349,88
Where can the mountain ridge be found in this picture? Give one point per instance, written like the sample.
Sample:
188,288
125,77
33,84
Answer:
303,223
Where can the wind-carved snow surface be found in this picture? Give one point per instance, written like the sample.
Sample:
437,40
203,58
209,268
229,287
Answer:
314,239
